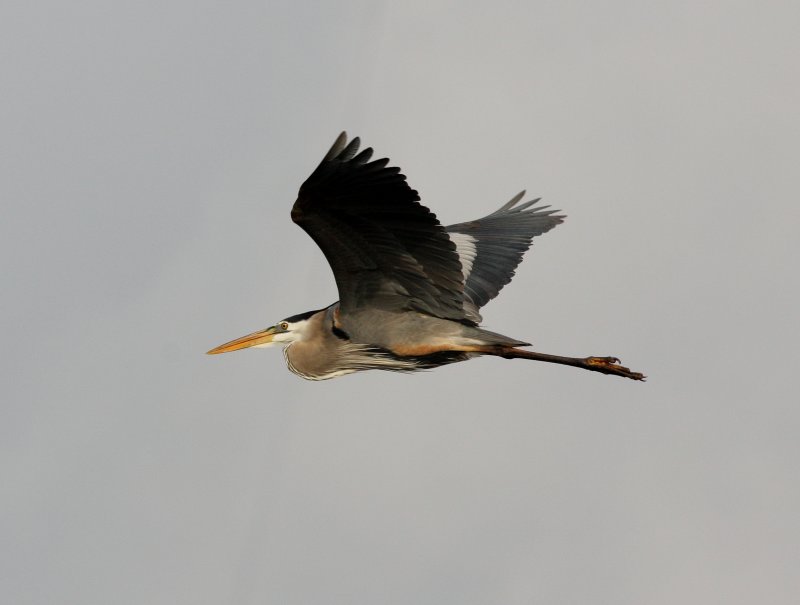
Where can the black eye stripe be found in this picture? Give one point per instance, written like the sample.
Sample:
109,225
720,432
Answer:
300,316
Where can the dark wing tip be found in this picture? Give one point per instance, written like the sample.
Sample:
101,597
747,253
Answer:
350,150
338,145
510,202
531,209
342,150
346,170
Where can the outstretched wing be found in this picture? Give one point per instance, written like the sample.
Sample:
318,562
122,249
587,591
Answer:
386,250
491,248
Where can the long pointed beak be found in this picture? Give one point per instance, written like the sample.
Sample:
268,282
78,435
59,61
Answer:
251,340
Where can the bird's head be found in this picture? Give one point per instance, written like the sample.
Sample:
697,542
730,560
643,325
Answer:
285,332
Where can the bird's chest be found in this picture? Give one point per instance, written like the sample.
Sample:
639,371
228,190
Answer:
313,362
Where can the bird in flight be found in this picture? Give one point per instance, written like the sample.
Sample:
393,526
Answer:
410,289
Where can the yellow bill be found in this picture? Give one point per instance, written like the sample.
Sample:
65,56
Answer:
255,339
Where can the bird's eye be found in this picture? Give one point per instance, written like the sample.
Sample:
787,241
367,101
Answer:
283,325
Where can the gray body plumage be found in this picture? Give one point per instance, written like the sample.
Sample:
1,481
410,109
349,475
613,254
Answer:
374,340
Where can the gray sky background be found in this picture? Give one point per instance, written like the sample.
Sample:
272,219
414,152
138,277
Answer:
151,153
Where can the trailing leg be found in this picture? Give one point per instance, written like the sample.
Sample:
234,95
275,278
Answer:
605,365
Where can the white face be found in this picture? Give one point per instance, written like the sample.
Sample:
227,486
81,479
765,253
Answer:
285,333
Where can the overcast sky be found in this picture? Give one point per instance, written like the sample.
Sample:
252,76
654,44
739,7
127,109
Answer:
151,153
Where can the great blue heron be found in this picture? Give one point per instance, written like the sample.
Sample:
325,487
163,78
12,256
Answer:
410,289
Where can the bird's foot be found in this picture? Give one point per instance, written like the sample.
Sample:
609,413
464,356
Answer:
610,365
